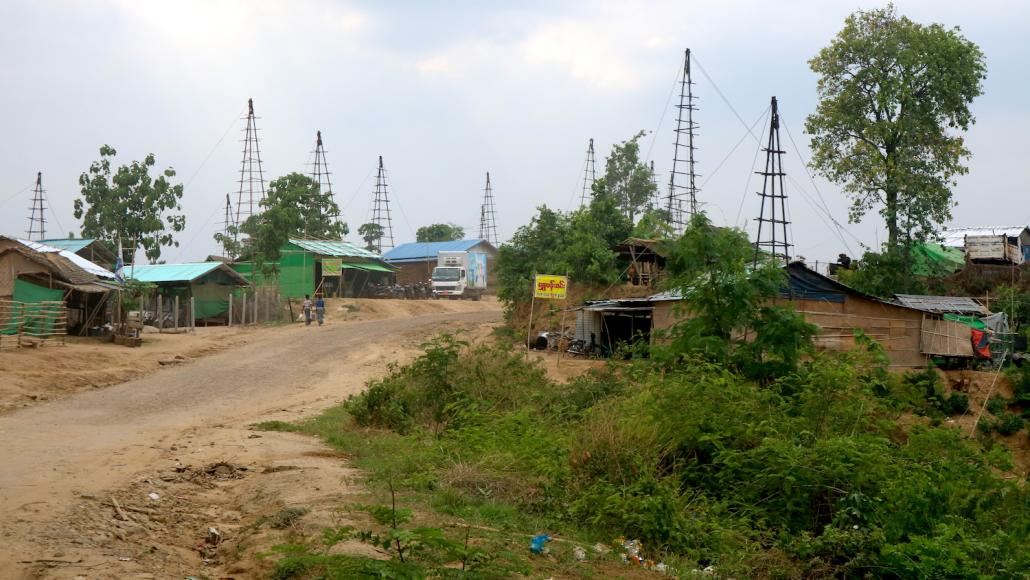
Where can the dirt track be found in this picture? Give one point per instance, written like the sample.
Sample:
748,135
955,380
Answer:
57,453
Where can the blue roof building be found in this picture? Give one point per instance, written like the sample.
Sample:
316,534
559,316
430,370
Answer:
415,260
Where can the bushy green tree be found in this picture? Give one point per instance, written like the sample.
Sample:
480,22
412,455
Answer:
371,233
727,294
626,179
553,242
293,207
130,206
439,233
894,96
883,274
535,248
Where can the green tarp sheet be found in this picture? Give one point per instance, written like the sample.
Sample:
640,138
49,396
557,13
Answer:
970,321
28,314
936,260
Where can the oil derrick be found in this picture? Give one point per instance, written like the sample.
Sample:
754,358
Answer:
381,210
252,179
320,173
772,218
589,176
226,232
37,220
682,195
656,201
488,213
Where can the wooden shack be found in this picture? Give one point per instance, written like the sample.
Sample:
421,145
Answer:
911,329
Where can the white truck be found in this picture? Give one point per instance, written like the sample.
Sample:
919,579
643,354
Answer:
459,275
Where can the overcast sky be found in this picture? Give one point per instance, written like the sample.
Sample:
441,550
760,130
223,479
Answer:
446,91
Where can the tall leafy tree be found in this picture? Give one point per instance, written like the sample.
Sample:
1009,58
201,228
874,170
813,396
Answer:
726,295
371,233
626,179
130,205
894,97
439,233
293,207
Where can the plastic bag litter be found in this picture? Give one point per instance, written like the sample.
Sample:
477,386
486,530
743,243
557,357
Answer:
536,545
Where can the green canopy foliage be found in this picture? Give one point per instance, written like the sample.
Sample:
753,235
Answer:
578,243
893,96
727,293
626,179
294,207
130,205
439,233
371,233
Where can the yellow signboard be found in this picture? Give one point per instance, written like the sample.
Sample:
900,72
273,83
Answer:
332,267
553,287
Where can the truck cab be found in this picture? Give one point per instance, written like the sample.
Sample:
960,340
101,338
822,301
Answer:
459,275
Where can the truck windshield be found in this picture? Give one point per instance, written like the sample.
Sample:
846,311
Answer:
446,274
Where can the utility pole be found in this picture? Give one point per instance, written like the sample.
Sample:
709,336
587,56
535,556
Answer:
37,219
381,210
252,178
683,177
772,220
589,176
320,173
488,213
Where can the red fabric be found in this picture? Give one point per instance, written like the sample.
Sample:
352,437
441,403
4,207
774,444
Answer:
981,343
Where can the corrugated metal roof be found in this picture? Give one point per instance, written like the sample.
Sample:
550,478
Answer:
170,272
955,238
419,251
72,257
70,244
334,248
941,304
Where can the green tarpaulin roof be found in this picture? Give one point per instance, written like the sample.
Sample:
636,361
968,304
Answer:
176,272
70,244
334,248
370,266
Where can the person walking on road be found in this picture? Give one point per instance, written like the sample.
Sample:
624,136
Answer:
307,310
320,309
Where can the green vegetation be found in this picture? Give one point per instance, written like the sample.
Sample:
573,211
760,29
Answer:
893,97
130,206
371,233
439,233
806,475
293,207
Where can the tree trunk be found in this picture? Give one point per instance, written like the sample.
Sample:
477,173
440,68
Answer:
891,198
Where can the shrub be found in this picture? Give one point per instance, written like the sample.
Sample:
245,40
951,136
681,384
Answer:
997,405
1009,423
958,404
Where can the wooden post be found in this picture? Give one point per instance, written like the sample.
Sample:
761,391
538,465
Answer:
230,309
254,320
561,338
289,304
529,329
160,312
193,315
243,311
176,312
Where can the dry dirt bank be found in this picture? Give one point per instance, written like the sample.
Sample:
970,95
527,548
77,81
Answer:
167,433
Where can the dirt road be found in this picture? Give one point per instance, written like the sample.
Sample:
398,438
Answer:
59,454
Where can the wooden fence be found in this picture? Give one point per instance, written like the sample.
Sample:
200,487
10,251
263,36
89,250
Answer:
32,323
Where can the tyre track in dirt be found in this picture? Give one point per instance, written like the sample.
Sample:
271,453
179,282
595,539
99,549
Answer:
54,453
